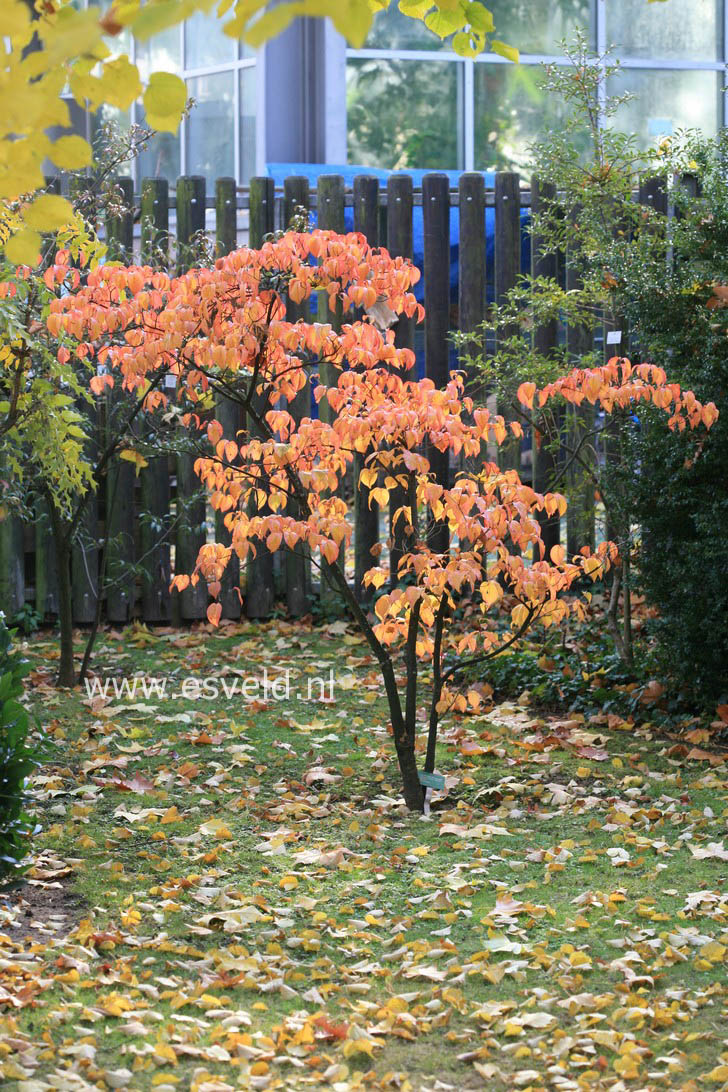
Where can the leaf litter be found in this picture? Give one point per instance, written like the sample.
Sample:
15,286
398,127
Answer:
233,896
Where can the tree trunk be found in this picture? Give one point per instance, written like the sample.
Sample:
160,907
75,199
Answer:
66,667
612,613
414,796
627,609
404,739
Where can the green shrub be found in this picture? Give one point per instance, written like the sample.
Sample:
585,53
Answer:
18,759
661,279
682,488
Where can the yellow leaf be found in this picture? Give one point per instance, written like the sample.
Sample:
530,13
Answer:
165,1052
491,592
719,1074
415,9
24,247
164,101
131,456
16,18
119,82
579,959
153,18
368,477
116,1005
519,614
558,555
49,212
627,1066
71,152
713,951
443,23
217,828
358,1046
504,50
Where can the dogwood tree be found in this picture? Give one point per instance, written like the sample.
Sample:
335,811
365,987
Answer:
223,331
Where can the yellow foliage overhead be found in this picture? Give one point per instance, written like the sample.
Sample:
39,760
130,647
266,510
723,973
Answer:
52,45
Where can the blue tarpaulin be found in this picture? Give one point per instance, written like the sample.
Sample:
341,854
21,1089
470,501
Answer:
280,171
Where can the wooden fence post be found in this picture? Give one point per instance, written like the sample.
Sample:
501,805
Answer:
154,484
653,194
190,216
296,194
366,513
155,222
85,547
400,203
330,193
226,215
436,218
120,479
471,289
12,565
260,593
507,268
46,564
154,534
330,201
545,453
227,412
262,210
191,529
297,561
471,249
120,229
45,561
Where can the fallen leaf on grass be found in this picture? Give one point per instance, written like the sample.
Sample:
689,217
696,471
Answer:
712,849
481,830
137,784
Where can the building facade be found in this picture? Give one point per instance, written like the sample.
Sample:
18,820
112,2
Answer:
407,101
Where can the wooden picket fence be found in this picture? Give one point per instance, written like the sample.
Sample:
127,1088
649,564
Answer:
385,215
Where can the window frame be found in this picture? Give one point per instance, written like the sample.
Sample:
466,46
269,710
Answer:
235,65
466,120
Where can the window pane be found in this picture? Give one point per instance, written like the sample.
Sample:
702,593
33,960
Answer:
666,101
247,123
162,53
116,43
682,28
511,113
404,114
393,30
537,26
205,43
211,127
107,126
161,157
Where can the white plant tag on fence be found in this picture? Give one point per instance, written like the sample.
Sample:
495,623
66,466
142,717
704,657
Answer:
614,337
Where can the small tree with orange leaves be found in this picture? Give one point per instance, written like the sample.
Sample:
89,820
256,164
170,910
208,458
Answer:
621,390
224,331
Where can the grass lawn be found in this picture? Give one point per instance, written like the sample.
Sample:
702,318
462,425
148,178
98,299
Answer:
229,895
